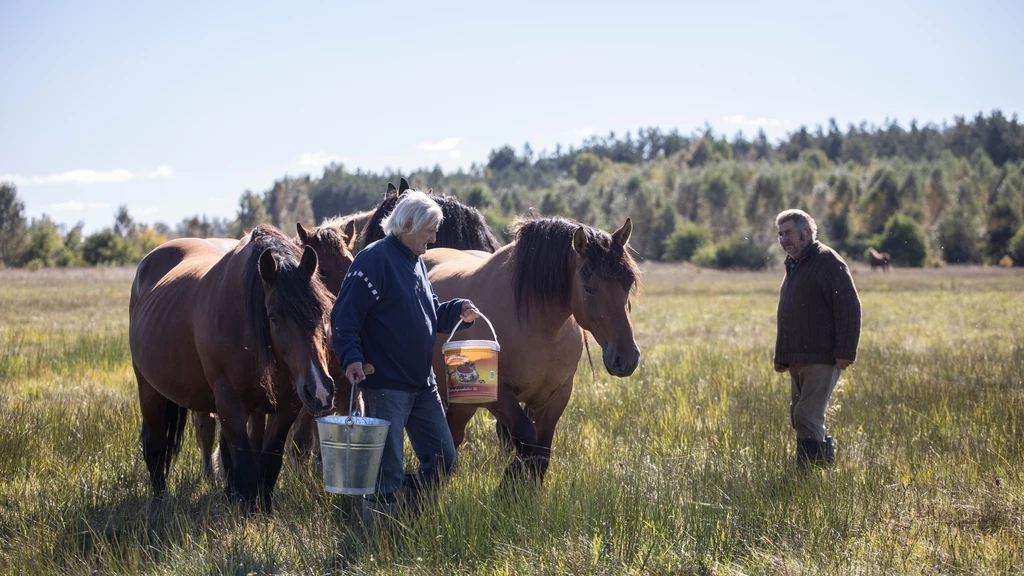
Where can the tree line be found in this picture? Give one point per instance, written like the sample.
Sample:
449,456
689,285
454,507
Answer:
928,195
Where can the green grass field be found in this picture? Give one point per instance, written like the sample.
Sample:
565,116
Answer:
684,468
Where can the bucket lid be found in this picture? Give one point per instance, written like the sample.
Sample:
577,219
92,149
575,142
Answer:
471,344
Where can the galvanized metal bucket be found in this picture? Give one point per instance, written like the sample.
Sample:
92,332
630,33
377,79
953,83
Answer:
351,448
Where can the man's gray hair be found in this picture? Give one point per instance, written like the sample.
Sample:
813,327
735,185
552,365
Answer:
414,207
801,218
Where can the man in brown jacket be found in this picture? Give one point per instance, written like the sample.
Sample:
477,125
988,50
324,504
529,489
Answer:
818,330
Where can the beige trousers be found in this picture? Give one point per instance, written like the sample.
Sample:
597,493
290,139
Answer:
812,386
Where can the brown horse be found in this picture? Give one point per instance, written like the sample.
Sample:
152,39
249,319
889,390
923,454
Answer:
879,259
557,277
334,250
231,333
462,227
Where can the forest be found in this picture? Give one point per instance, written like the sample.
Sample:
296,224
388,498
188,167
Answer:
928,195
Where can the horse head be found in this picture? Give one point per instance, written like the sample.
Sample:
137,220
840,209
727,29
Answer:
334,248
605,275
295,308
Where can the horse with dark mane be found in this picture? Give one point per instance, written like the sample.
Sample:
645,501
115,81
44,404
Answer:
879,259
233,333
462,227
540,292
333,247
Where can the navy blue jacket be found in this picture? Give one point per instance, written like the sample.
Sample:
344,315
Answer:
387,315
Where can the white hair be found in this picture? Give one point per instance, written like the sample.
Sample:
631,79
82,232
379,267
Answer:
800,218
414,207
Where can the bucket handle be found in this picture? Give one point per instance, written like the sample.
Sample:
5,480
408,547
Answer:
461,321
367,370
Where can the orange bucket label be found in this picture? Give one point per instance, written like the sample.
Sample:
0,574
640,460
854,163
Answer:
472,373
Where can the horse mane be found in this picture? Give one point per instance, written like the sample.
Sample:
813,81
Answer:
463,227
305,301
543,251
330,236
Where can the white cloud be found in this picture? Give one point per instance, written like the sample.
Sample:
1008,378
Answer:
71,206
455,154
86,176
761,121
76,206
145,211
441,145
585,132
321,159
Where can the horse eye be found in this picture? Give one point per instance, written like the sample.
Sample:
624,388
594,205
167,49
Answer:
589,289
273,319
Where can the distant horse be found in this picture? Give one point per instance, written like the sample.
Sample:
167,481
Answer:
232,333
333,247
462,228
556,279
878,259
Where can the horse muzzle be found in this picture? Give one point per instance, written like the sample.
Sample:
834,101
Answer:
621,365
316,390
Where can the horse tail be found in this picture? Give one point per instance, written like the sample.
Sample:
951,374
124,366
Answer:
175,419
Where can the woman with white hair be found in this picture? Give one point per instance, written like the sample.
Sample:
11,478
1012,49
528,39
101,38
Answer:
387,315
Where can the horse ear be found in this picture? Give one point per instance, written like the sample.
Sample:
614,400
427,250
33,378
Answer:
402,186
268,266
350,233
303,233
621,236
309,261
579,241
391,190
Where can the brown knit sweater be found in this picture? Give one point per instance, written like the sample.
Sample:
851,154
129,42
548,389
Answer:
819,309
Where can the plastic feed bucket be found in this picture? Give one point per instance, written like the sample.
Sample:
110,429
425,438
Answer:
471,367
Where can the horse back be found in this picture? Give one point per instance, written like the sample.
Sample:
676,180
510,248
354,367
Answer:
164,296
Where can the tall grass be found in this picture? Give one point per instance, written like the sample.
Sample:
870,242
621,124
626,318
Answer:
684,468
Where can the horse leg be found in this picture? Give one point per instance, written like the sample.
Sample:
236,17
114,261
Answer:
523,433
272,452
458,417
302,434
505,435
546,418
236,450
206,432
256,427
154,437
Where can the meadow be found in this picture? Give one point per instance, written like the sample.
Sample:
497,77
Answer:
687,467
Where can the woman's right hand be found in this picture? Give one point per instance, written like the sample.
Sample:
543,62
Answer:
354,373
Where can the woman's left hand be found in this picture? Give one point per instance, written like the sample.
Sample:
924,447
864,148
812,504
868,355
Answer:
469,312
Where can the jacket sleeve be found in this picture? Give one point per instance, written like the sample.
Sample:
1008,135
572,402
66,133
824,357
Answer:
361,288
846,311
449,316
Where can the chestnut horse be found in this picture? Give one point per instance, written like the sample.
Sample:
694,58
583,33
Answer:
233,333
879,259
540,292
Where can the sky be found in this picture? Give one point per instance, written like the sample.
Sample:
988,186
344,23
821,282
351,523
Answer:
175,109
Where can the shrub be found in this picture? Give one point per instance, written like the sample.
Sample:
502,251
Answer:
685,240
905,241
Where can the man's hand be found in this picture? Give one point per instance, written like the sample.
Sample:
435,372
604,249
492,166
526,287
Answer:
354,373
469,312
843,363
781,369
